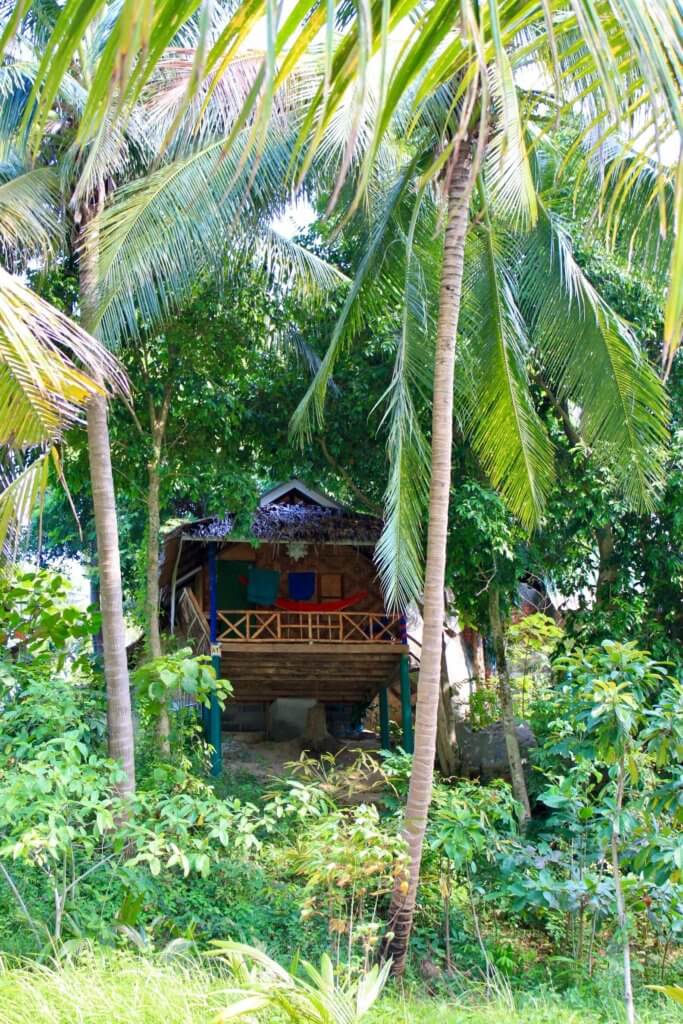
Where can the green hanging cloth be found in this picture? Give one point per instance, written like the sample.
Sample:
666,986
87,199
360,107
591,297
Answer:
263,587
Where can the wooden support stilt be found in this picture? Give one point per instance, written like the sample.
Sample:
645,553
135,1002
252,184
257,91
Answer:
214,715
406,706
384,733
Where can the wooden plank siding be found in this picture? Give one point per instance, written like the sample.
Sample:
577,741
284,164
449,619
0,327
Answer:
330,673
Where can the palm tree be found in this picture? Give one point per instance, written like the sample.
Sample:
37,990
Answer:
526,308
619,65
201,211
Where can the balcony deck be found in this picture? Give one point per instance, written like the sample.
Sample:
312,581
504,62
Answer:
307,627
329,656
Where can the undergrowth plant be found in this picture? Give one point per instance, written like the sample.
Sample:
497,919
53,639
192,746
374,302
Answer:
175,678
309,995
351,862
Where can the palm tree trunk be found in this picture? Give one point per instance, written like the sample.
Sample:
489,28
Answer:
119,712
420,791
152,590
507,711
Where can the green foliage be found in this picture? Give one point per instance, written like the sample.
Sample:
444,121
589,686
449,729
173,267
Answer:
178,673
316,998
351,862
37,619
469,824
155,990
62,820
307,863
610,759
47,689
484,543
612,686
130,989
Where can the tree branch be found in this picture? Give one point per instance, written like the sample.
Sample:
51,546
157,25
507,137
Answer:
343,473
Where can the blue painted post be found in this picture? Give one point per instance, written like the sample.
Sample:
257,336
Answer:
406,706
214,716
384,732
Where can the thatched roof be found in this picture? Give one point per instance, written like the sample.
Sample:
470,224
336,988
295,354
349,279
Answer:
184,547
274,523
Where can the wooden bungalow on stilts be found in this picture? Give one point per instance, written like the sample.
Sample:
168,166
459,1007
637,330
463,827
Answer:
291,612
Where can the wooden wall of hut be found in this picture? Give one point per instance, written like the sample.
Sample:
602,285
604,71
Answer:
354,564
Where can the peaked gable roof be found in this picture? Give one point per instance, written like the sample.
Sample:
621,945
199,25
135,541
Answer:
297,490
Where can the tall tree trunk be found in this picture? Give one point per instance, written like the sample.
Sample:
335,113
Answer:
152,588
446,740
607,566
158,428
420,791
478,659
119,712
153,527
622,920
507,711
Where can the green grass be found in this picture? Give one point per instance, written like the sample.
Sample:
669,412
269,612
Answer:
520,1008
127,989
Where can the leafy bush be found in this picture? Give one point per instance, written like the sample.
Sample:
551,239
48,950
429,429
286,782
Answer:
178,674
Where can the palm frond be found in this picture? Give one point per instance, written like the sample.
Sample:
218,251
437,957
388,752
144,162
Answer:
310,411
399,552
493,399
29,213
42,387
166,228
673,313
591,359
22,487
291,266
510,182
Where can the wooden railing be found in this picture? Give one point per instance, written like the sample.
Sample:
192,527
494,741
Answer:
256,626
193,621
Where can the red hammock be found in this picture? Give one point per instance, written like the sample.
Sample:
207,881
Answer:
338,605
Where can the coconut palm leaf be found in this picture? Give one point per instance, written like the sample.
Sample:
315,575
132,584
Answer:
617,64
494,402
42,385
379,247
29,211
592,360
399,552
673,313
164,229
22,488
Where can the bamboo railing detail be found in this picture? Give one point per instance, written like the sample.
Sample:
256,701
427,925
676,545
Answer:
194,621
256,625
